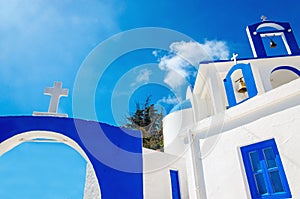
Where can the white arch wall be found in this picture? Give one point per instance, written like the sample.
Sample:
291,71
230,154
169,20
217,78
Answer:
264,69
92,188
281,77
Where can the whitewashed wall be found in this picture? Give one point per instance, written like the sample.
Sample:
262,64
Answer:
275,114
223,167
157,181
174,123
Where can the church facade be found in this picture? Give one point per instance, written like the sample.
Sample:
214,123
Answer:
238,129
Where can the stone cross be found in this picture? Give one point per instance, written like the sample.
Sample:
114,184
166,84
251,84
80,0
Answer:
55,92
234,58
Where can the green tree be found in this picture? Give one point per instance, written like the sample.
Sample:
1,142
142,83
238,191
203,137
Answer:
148,120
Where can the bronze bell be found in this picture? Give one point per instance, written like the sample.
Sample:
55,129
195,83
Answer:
242,86
272,44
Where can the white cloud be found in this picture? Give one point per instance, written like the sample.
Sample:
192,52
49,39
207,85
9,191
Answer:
155,53
143,76
186,54
169,100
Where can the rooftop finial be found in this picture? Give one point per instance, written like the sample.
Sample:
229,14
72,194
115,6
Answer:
263,18
234,58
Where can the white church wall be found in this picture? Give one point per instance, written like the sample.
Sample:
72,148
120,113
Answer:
281,77
207,83
157,181
202,108
270,103
223,167
192,187
173,124
265,67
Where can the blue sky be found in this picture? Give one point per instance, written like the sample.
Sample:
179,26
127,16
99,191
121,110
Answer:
46,41
23,172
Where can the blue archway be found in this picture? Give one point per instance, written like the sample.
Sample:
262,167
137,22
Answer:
115,183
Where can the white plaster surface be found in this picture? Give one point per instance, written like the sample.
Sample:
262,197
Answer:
91,189
157,182
173,125
223,167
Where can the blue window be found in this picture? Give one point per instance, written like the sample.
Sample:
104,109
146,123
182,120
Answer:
264,170
175,184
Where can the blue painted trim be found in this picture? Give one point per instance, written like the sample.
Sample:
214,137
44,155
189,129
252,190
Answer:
249,81
258,43
290,68
250,174
114,184
175,184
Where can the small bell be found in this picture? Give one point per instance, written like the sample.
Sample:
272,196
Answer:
272,44
242,86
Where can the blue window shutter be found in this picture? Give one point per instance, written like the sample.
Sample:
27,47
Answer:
264,171
175,184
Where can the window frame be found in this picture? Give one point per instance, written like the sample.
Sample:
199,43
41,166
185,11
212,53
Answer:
260,147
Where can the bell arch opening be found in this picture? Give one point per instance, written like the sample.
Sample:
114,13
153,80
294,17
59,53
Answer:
34,154
239,86
283,75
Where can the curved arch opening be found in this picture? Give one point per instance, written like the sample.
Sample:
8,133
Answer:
283,75
42,164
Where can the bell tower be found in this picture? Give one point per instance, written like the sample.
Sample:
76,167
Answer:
258,31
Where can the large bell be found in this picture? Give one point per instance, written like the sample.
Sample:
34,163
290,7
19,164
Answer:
272,44
241,86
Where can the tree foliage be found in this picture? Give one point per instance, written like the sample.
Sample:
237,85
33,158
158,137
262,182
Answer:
148,120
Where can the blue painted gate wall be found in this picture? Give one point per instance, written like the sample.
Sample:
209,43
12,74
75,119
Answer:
114,183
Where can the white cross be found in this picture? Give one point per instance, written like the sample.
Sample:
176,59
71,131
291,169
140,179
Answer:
263,18
55,92
234,58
